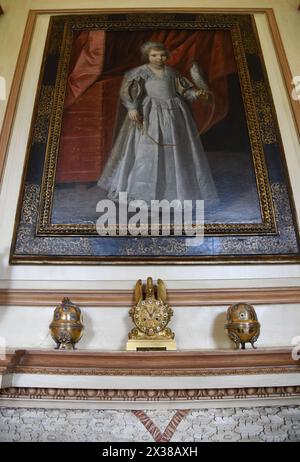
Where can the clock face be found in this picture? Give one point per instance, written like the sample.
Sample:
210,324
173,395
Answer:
151,316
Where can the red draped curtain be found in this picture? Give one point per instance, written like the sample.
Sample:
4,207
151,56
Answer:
98,62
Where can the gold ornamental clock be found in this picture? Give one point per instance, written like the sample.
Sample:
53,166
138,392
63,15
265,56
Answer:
151,316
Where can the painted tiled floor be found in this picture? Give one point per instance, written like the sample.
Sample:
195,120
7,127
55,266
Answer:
269,424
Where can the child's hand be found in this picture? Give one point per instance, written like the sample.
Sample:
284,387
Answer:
201,93
134,115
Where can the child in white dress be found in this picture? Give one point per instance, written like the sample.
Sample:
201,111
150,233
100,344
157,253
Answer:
158,153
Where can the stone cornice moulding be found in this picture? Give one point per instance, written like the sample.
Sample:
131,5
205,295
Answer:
29,31
151,363
205,395
176,297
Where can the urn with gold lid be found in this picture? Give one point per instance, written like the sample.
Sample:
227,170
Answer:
242,324
66,327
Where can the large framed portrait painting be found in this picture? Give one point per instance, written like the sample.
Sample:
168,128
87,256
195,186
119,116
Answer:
137,115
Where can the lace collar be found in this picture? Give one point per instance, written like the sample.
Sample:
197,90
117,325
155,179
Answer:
145,72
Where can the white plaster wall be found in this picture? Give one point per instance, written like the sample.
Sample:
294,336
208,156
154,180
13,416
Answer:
107,328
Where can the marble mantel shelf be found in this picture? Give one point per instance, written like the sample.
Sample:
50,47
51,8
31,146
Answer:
144,380
151,363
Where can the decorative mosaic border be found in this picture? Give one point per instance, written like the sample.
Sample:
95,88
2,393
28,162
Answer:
205,394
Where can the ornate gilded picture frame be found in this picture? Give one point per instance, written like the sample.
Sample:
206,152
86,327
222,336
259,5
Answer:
85,144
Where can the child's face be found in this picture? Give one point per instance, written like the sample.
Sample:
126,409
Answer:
157,57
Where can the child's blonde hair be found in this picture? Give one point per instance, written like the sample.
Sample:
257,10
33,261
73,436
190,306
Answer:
147,46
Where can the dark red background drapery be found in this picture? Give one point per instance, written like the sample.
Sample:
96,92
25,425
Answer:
98,62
